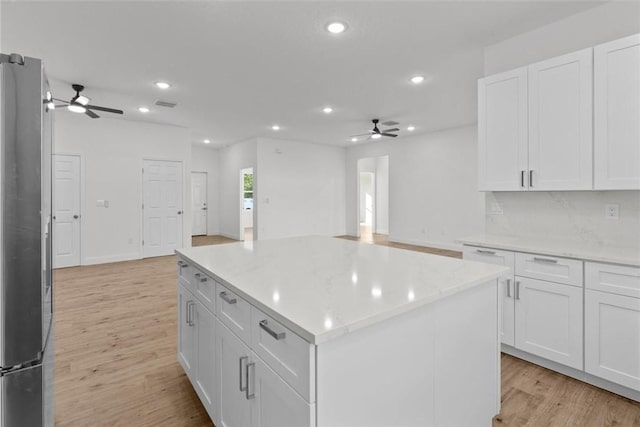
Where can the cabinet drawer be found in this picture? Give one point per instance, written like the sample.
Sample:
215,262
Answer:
234,312
205,289
185,274
615,279
489,256
553,269
286,353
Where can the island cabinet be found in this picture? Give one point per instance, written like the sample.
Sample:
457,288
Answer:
349,335
577,317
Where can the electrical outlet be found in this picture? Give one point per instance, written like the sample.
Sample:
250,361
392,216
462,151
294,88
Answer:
612,211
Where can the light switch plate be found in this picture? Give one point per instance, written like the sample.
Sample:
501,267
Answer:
612,211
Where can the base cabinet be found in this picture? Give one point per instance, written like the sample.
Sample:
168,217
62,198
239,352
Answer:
549,320
186,332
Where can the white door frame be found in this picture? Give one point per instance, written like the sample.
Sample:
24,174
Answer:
241,206
373,207
206,181
184,184
82,199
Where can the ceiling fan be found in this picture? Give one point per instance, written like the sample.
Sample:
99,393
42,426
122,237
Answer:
376,133
80,104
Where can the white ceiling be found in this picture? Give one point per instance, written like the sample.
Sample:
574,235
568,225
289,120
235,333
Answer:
239,67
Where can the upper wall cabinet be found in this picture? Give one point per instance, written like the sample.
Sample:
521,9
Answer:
502,131
535,126
617,115
560,123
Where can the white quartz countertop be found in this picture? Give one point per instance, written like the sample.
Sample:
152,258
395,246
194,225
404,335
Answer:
323,287
569,249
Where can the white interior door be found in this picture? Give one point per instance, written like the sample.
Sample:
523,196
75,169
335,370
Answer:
199,203
162,207
66,211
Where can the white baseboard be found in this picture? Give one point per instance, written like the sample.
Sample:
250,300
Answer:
111,258
229,235
436,245
382,231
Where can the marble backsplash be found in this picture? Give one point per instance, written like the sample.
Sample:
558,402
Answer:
577,216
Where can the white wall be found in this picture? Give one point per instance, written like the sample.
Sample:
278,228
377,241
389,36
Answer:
111,153
301,189
208,160
232,159
433,197
577,216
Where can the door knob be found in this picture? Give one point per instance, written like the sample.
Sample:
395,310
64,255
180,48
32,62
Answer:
204,209
179,212
75,217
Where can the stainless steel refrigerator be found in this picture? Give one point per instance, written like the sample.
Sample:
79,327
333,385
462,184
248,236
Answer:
26,282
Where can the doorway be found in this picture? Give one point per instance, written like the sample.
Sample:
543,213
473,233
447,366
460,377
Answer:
161,207
246,204
373,198
199,208
66,211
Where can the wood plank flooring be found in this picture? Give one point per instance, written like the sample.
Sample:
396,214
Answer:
116,358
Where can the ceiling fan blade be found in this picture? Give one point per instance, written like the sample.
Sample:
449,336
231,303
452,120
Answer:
389,134
362,134
105,109
390,123
91,114
391,130
61,105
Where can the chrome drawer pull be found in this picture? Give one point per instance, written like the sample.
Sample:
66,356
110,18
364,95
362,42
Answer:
548,261
242,359
508,288
264,324
517,290
483,251
182,264
227,298
200,278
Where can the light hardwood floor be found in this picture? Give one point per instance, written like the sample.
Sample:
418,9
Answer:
116,358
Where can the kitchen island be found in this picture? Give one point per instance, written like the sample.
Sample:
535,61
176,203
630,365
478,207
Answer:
318,331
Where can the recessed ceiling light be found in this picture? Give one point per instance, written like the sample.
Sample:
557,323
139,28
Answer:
354,139
336,27
327,110
162,85
376,136
275,127
143,109
207,141
411,128
417,79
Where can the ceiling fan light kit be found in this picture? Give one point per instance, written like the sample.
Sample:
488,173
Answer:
80,104
376,133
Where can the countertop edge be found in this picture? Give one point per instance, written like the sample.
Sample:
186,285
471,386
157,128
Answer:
490,243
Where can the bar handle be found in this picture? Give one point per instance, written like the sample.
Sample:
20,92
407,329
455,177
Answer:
508,288
200,277
229,300
264,324
190,305
242,359
522,179
531,178
182,264
485,252
517,290
545,260
247,393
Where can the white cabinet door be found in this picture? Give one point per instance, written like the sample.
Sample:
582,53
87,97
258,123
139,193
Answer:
234,408
502,131
560,123
206,370
617,114
506,314
612,338
186,332
276,404
549,320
